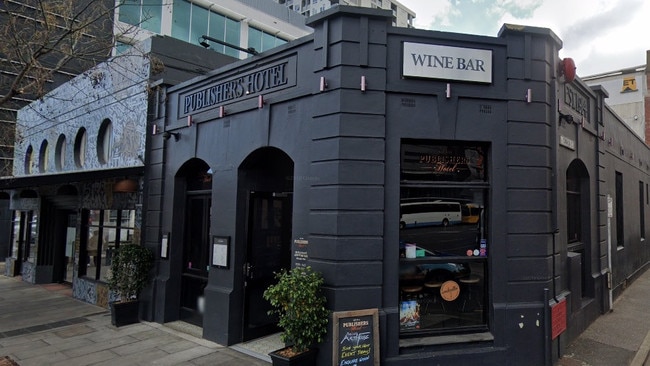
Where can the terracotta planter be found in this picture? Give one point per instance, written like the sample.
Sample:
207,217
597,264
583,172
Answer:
125,313
307,358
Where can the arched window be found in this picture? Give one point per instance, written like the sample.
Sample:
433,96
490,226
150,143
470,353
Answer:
104,139
43,156
578,221
29,154
59,153
80,148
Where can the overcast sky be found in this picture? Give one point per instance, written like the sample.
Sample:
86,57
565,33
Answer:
600,35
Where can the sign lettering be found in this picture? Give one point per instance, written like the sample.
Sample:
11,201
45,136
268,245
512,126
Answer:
356,339
576,101
240,87
447,63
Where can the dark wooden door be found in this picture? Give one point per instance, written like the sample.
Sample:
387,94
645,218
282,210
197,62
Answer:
196,251
268,251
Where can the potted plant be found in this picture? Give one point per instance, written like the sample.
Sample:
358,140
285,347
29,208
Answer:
130,268
300,306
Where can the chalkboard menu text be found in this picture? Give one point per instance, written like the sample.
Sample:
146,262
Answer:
356,338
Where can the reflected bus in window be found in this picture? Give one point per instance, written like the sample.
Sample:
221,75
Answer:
416,214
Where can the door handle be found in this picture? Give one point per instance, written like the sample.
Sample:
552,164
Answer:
248,270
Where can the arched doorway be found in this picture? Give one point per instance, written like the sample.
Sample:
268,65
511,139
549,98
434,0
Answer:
578,211
194,182
265,184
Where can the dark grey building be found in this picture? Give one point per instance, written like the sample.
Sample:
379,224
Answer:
484,203
459,184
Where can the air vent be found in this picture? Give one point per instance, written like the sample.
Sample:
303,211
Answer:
408,102
485,109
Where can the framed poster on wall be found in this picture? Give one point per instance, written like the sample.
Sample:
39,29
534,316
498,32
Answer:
220,246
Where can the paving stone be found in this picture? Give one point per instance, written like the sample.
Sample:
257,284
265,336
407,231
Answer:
145,357
88,359
182,356
46,359
144,345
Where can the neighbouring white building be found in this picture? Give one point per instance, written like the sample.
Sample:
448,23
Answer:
629,96
402,16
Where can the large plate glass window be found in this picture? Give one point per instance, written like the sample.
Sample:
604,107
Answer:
443,244
105,231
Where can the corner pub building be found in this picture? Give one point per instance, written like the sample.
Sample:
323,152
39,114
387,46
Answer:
459,184
466,187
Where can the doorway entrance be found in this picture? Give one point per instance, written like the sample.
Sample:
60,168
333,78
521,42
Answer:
194,176
65,234
267,252
267,190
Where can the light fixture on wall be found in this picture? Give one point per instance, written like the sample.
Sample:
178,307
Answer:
203,41
323,84
167,135
125,185
567,117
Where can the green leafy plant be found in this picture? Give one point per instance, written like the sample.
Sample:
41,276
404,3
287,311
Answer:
300,306
130,268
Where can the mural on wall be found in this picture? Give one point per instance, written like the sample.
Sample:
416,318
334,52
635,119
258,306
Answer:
84,290
116,90
28,272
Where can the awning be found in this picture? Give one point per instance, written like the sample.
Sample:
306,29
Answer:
72,177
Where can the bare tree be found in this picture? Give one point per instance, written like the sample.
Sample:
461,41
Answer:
44,43
43,37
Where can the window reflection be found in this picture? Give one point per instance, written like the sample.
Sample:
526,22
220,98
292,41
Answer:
443,237
105,231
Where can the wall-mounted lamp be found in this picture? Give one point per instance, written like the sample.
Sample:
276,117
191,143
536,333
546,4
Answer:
567,117
189,121
448,91
529,96
260,102
363,84
167,135
323,84
203,41
126,186
222,111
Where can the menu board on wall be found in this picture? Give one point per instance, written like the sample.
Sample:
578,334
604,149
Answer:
356,338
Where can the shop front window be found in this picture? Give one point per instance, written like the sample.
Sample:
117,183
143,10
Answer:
443,237
105,231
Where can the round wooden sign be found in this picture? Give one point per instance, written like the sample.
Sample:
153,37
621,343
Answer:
449,291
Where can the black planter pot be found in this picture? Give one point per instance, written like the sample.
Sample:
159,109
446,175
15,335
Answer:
125,313
307,358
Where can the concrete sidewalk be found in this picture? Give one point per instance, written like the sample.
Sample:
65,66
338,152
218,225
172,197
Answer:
620,337
43,325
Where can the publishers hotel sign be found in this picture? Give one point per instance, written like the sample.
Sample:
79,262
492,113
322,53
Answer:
447,63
